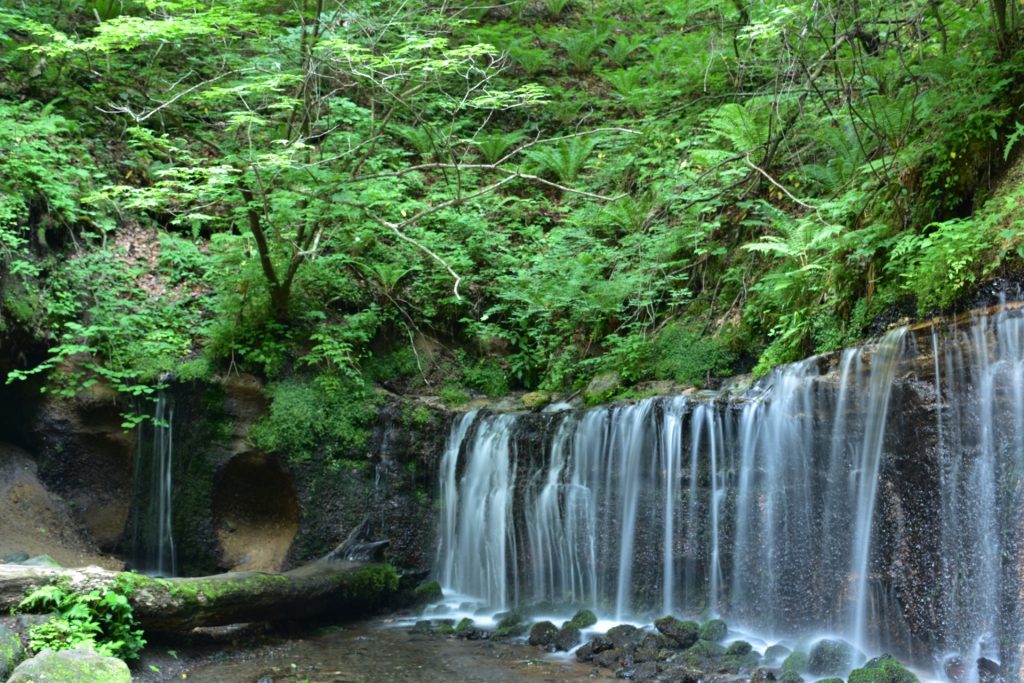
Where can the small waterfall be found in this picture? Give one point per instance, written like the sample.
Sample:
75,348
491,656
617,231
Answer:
476,545
670,448
876,495
876,396
153,543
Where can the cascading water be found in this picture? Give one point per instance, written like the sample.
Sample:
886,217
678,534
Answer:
875,495
153,542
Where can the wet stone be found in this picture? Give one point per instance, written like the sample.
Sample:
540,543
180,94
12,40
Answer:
684,633
609,658
714,630
762,676
595,646
776,654
566,638
542,633
988,671
623,635
831,658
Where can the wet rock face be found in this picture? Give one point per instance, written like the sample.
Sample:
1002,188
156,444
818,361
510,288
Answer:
255,513
86,457
385,490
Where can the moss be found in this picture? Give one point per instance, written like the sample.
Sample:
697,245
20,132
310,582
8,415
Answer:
884,669
795,662
582,619
740,647
464,626
372,581
714,629
427,593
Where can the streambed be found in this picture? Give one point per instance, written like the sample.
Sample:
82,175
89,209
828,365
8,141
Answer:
361,652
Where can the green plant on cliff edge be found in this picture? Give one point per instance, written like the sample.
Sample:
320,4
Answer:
100,619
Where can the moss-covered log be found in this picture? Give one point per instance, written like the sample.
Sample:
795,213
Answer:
176,605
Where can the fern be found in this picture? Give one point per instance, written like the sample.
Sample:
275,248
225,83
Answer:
739,125
580,46
532,60
555,8
494,146
624,46
565,159
419,138
625,82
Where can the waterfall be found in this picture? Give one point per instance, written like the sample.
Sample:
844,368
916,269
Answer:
877,394
153,543
875,494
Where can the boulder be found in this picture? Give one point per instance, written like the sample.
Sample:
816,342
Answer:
684,633
566,638
609,659
543,633
646,671
427,593
795,662
536,399
624,635
776,653
988,671
831,658
762,676
582,619
714,630
739,648
955,668
588,650
79,665
602,387
884,669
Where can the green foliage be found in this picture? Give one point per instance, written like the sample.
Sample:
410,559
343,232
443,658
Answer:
565,159
296,194
328,413
101,620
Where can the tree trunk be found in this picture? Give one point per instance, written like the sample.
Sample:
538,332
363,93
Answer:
176,605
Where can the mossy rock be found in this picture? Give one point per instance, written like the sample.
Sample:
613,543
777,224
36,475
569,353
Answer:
510,624
464,626
739,647
714,630
624,635
427,593
542,633
582,619
602,387
78,665
512,631
536,399
795,662
776,653
790,677
830,680
884,669
684,633
830,657
11,651
566,638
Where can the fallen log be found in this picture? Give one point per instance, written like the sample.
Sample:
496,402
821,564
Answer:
346,588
